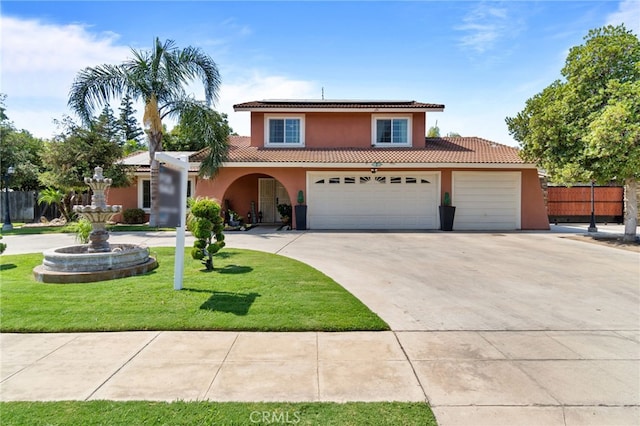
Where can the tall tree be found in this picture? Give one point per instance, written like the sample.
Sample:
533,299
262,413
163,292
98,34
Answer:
128,123
106,125
586,126
21,150
158,77
434,131
73,154
181,137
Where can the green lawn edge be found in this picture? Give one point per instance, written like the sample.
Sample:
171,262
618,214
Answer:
70,229
248,291
128,413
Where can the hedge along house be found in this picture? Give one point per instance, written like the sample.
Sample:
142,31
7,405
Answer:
363,165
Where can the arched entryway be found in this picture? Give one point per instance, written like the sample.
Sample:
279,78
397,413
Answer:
256,197
249,191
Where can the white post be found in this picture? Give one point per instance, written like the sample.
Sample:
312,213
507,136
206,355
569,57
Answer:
181,230
181,164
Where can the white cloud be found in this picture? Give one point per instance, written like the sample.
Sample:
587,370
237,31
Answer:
628,13
40,61
484,25
488,23
40,58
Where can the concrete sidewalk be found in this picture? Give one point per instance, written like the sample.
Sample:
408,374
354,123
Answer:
534,378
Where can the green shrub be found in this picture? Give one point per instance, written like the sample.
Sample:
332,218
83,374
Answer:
205,207
133,216
197,254
206,224
82,228
3,246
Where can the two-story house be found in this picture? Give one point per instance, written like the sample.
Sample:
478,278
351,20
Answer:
363,165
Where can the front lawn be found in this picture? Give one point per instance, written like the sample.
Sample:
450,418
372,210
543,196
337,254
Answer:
248,290
212,413
34,229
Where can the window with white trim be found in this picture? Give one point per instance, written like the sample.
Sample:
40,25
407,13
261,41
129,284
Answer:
391,131
284,131
144,193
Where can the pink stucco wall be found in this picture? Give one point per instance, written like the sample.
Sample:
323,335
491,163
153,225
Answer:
240,187
339,129
534,213
127,197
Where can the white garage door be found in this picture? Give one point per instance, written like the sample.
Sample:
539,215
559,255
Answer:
486,200
363,200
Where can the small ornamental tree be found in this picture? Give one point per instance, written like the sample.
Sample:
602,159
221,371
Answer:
206,224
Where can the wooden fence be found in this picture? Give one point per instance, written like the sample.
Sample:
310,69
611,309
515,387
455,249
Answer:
573,204
21,205
24,207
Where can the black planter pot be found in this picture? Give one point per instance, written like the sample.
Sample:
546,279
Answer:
447,214
301,217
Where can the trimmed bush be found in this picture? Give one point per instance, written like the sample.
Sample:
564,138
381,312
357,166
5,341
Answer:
133,216
206,224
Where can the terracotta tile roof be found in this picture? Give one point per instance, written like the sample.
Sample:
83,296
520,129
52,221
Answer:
436,150
334,104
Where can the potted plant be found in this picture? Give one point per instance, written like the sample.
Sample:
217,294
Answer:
301,212
447,213
285,215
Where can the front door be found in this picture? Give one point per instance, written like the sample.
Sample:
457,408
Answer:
270,194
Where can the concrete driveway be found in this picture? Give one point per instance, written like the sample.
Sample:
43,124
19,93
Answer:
481,281
494,328
500,328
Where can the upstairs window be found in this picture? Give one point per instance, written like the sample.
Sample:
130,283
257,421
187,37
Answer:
391,131
284,131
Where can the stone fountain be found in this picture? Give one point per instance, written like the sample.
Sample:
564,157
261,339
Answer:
98,260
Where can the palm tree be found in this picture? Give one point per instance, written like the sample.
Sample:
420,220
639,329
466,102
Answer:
158,77
56,197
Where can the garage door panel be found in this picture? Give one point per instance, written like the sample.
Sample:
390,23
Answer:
364,201
486,200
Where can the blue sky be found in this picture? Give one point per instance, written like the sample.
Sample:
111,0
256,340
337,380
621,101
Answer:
481,59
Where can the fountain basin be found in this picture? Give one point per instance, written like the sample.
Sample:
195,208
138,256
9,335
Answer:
75,264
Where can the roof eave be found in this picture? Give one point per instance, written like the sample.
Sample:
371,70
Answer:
279,109
435,165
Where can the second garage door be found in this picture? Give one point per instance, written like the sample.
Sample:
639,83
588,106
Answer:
364,200
486,200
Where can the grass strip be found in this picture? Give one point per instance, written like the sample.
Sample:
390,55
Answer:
248,291
214,413
70,228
